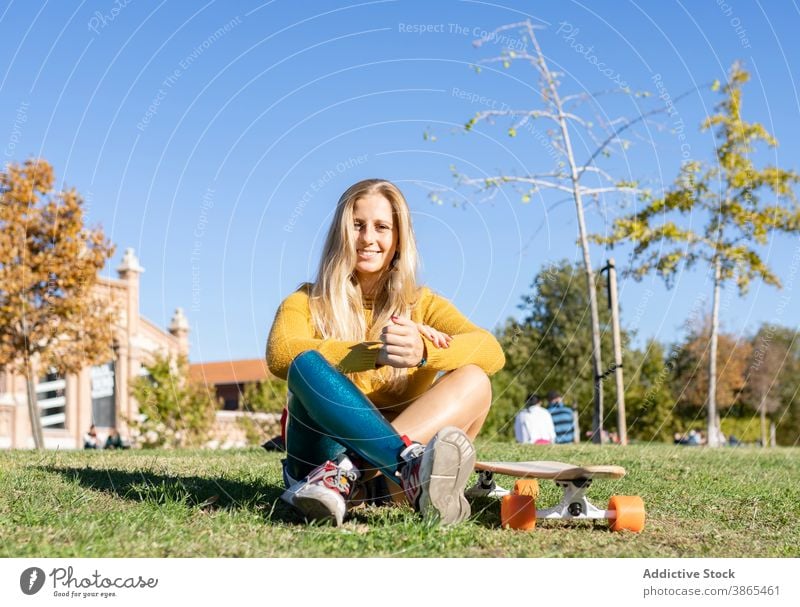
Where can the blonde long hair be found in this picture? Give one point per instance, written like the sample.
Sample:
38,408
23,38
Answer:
336,300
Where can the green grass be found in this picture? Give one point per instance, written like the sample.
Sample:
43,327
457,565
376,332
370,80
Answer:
700,502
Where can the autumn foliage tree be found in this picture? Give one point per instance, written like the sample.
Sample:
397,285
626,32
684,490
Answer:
691,369
50,313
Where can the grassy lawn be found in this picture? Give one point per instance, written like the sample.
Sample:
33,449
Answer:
730,502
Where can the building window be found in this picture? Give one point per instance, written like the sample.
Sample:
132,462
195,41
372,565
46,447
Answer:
230,395
51,400
104,407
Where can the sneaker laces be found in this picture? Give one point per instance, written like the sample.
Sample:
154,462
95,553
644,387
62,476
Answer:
412,452
340,479
411,460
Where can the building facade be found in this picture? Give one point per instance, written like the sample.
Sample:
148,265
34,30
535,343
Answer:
99,395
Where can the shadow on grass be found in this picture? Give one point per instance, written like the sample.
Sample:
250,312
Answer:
209,494
198,492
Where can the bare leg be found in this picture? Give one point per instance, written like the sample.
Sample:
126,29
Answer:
461,398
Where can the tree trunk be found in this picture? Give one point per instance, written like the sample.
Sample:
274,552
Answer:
597,417
622,425
597,371
713,431
33,407
762,410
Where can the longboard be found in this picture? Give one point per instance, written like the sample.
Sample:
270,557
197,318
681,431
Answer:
551,470
518,510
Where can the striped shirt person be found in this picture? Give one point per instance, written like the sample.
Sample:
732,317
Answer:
563,418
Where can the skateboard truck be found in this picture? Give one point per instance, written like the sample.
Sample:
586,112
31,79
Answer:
574,504
486,486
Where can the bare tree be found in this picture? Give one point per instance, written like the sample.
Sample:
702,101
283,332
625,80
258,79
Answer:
578,180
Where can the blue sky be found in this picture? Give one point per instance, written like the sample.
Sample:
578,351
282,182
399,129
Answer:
219,157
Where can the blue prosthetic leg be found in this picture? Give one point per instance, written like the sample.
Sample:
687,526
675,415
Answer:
329,415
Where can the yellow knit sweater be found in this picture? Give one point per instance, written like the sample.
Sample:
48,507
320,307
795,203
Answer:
292,333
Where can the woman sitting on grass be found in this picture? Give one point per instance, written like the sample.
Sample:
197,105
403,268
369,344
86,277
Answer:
361,348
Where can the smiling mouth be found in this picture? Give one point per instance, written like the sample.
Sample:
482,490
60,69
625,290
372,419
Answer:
368,254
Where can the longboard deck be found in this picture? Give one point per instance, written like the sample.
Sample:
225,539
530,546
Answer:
551,470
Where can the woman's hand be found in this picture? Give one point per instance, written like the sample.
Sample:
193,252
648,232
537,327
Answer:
439,339
402,345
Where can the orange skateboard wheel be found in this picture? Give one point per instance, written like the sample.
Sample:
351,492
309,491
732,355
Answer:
518,512
527,486
629,513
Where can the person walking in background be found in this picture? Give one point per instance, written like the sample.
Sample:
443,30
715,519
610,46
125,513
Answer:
534,424
563,418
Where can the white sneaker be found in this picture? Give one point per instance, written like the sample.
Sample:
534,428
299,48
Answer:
486,486
322,495
433,478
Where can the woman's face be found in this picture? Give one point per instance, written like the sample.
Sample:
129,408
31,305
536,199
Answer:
375,236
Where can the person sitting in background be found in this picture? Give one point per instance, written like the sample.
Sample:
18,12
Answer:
534,424
563,418
90,440
114,440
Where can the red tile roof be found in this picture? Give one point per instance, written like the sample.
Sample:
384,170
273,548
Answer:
230,371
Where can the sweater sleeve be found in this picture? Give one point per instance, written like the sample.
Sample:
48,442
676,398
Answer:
292,333
470,343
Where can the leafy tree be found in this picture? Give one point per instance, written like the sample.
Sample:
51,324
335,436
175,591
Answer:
788,419
730,193
173,411
549,349
265,396
772,378
771,351
512,384
49,262
649,400
262,397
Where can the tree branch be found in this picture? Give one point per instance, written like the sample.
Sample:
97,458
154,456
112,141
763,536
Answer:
630,123
496,181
